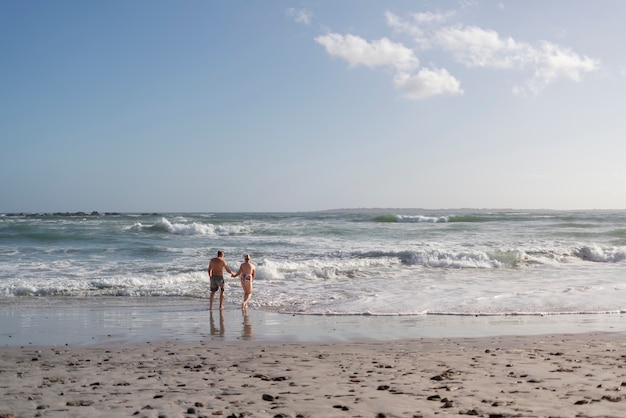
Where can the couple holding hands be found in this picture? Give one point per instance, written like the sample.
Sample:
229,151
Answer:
247,271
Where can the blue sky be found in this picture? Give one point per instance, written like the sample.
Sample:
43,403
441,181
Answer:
206,106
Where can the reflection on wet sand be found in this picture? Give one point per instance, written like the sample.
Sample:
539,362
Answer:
219,329
214,330
246,333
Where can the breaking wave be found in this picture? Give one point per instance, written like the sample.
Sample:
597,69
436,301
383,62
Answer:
193,228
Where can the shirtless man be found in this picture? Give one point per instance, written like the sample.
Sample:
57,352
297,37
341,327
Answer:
248,273
216,274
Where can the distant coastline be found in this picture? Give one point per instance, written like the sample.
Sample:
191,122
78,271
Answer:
373,210
72,214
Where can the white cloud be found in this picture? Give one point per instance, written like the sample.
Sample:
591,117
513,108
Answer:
554,63
427,83
471,46
475,47
417,34
419,31
303,16
380,53
430,17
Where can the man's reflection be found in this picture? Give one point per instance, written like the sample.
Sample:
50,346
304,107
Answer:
217,331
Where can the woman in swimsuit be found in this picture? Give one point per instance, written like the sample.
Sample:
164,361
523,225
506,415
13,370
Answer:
247,271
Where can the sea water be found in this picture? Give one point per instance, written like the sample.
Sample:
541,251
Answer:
386,262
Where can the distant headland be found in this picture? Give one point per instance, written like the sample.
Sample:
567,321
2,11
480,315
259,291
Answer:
72,214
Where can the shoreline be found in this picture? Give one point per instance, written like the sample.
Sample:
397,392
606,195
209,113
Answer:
91,321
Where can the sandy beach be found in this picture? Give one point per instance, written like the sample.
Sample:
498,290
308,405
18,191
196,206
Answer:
529,376
101,359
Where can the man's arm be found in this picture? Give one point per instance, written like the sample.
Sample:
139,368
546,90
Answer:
236,274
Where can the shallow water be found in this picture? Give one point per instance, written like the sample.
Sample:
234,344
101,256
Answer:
104,320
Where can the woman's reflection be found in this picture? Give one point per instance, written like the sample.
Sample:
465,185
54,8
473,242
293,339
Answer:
247,326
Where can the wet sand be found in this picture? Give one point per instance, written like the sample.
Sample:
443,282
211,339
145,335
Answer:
108,360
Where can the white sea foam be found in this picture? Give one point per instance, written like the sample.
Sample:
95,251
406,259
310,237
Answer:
602,254
421,218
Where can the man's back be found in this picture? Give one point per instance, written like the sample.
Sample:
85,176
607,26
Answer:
216,266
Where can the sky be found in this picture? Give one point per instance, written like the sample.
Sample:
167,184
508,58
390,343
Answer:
280,106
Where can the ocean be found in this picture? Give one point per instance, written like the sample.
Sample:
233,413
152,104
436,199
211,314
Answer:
375,262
